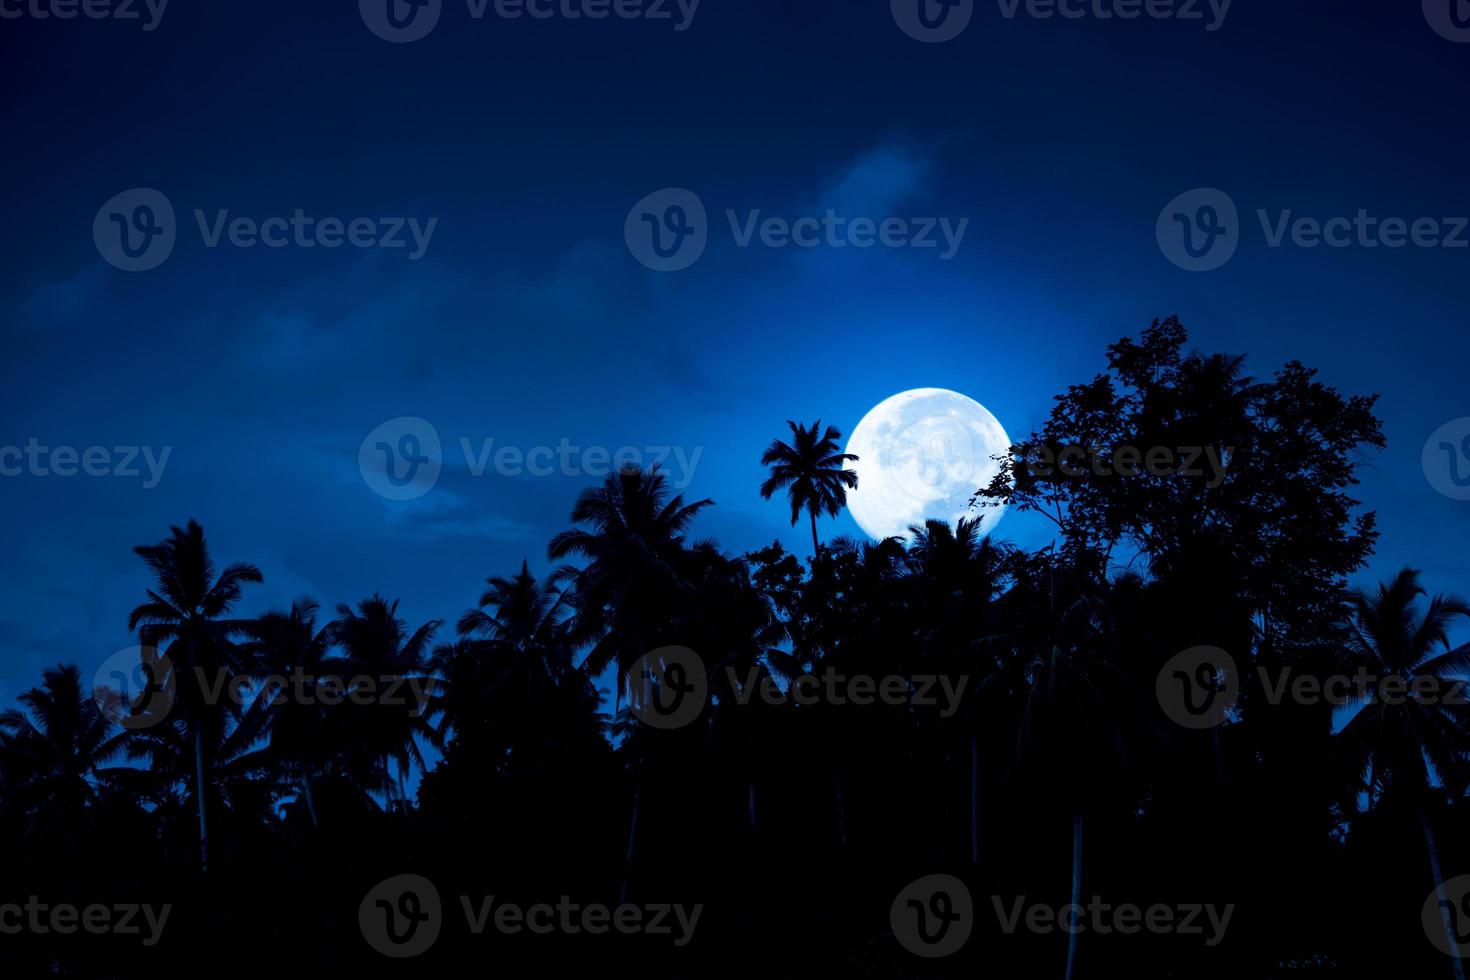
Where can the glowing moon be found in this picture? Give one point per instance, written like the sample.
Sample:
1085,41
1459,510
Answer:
922,454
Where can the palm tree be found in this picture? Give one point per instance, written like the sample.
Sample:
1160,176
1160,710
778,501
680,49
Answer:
185,609
513,654
302,736
1060,676
1405,747
378,645
811,470
56,753
635,579
956,574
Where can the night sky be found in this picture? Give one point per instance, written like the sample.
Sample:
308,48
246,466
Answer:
527,320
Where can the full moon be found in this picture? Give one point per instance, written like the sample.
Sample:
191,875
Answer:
922,454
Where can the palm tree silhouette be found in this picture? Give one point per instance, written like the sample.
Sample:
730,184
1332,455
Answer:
811,469
1405,747
635,577
305,737
513,654
956,573
185,609
379,646
55,754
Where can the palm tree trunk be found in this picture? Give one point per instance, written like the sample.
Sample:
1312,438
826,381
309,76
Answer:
628,857
1439,896
310,803
975,800
816,545
841,810
199,792
1076,889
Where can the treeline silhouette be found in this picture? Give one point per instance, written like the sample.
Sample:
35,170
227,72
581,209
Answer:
1059,776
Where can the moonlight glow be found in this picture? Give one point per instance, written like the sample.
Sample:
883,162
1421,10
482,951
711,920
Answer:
922,454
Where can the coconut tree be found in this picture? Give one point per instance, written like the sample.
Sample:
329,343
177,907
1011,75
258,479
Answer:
955,575
636,576
1406,747
379,646
186,609
812,471
54,753
1073,707
513,653
305,736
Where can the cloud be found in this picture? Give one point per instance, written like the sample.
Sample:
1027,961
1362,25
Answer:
65,301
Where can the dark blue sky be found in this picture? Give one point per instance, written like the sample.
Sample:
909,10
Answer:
528,321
